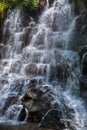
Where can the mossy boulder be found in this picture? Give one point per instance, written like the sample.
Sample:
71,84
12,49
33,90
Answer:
38,100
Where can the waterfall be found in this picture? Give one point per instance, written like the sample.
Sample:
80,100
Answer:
41,52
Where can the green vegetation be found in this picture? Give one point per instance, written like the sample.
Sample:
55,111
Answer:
31,4
3,7
78,1
79,5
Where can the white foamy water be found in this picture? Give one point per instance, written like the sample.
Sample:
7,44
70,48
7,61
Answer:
45,58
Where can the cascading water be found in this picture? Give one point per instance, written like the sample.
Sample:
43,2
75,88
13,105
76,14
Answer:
46,58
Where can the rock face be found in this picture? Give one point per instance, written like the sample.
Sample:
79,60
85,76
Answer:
41,107
31,69
84,64
38,100
83,87
24,126
79,37
81,28
82,51
51,2
52,120
61,71
81,23
22,115
1,50
83,60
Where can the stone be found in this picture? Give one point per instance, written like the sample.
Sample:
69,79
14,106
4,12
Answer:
79,37
31,69
32,82
83,87
60,71
38,100
81,22
84,64
15,67
51,2
26,36
52,120
82,51
1,50
39,40
24,126
23,114
83,83
17,86
11,99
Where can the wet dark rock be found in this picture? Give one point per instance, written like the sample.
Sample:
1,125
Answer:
81,23
40,38
60,71
3,82
23,114
81,30
26,36
11,99
84,64
79,37
83,59
32,82
31,69
6,34
15,67
51,2
42,70
38,100
17,86
82,51
83,84
24,126
1,51
52,120
1,30
1,69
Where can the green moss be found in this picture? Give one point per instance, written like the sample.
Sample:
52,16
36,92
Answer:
31,106
3,7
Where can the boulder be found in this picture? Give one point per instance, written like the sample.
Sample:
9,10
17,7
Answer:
38,100
15,67
83,84
26,36
24,126
81,29
31,69
79,37
83,87
81,23
51,2
82,51
84,64
24,113
52,120
1,50
60,71
32,82
11,99
83,59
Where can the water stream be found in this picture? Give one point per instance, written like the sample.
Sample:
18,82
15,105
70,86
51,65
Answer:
45,57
